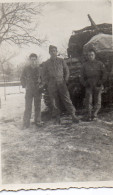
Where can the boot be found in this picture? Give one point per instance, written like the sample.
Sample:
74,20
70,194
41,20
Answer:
39,123
94,116
75,118
87,117
25,126
57,120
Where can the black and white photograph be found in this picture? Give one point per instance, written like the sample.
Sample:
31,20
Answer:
56,94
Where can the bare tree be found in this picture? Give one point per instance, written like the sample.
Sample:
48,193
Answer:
18,22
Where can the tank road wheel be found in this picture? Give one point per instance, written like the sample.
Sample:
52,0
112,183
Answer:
77,94
74,85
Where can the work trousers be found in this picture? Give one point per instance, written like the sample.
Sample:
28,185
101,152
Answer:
59,91
93,100
30,95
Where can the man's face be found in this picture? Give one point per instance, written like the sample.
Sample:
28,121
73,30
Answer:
33,61
91,55
53,52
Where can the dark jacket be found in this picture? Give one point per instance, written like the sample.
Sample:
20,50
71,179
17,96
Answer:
93,74
31,78
55,71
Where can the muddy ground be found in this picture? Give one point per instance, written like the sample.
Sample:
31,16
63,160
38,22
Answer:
54,153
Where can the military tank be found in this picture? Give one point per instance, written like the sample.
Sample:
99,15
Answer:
96,37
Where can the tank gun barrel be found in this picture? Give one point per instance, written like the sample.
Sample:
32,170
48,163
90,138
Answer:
92,22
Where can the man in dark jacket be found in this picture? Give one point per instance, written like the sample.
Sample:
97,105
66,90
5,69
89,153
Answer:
92,77
55,76
31,81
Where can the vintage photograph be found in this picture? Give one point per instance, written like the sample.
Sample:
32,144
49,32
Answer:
56,92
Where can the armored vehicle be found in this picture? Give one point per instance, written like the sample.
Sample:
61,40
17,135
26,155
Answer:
99,38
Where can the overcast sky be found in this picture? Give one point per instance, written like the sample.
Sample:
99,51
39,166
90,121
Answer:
58,21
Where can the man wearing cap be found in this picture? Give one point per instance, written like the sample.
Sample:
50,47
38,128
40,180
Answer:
55,76
31,81
92,77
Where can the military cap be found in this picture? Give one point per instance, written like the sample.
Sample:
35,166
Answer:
33,55
51,47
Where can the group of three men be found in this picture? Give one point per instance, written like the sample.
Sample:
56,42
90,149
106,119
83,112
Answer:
55,74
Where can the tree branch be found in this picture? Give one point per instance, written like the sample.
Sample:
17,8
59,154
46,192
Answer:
16,22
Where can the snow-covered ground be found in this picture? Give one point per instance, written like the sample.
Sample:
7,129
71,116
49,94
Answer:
14,103
13,106
53,153
11,90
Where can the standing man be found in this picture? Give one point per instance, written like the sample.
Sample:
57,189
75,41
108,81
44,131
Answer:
31,81
56,76
92,77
